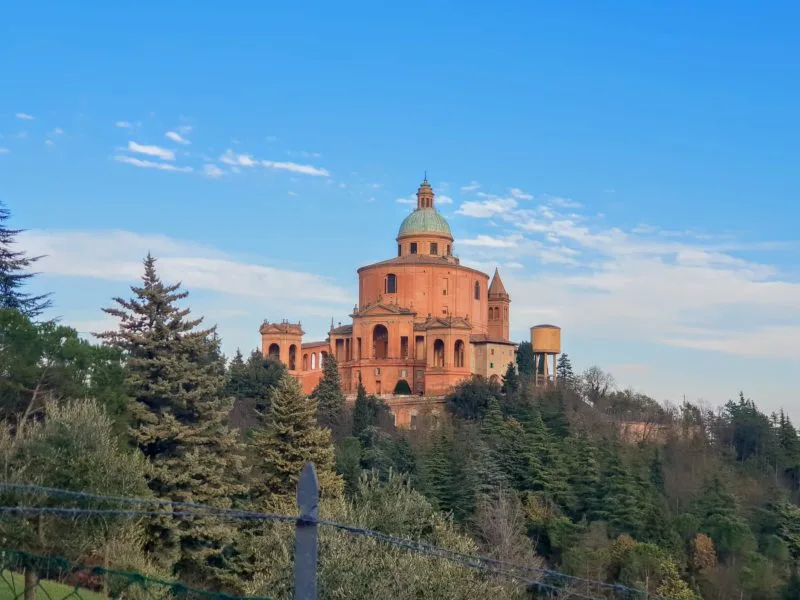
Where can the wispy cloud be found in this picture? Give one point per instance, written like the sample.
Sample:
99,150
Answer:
150,150
4,150
123,124
185,129
56,132
117,256
488,241
470,187
49,143
296,168
410,200
232,158
272,138
641,285
490,207
519,194
303,154
25,116
177,137
149,164
442,199
213,171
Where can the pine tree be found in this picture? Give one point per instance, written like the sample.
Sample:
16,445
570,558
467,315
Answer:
14,265
178,414
564,373
331,409
289,438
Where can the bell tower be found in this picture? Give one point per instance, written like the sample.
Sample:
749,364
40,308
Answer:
499,302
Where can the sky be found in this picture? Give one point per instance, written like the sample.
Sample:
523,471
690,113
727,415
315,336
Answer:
632,168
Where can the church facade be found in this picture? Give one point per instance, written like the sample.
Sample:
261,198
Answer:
423,321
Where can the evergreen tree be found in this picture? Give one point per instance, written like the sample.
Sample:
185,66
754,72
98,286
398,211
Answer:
261,376
236,376
361,416
438,476
14,273
510,380
619,494
175,377
331,409
525,362
584,476
564,373
288,438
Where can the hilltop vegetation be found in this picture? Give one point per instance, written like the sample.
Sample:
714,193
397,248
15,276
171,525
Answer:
690,502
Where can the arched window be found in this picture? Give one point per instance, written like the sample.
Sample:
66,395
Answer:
458,354
477,290
438,353
391,283
292,357
448,249
313,361
305,362
274,351
380,342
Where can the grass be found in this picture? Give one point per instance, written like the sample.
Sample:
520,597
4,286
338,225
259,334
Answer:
12,588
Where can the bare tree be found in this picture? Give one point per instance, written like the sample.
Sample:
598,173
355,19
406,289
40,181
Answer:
596,384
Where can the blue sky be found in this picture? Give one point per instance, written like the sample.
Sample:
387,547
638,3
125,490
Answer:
632,170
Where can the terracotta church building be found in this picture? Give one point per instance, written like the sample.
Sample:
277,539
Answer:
422,318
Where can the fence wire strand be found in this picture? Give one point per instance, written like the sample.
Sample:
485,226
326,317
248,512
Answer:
548,581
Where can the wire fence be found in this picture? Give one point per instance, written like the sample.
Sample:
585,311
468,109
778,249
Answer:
60,579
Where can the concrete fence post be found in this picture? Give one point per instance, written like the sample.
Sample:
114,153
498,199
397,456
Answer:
305,544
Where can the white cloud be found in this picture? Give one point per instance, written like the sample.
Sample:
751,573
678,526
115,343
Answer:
149,164
296,168
442,199
4,150
471,187
293,193
411,200
562,202
213,171
243,160
56,131
25,116
485,209
176,137
519,194
49,143
117,256
488,241
185,129
22,135
157,151
303,154
123,124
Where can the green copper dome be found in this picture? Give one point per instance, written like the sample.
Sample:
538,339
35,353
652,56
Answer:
424,220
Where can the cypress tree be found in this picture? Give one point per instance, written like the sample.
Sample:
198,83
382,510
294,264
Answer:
525,359
175,377
361,411
289,438
14,274
331,410
584,476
